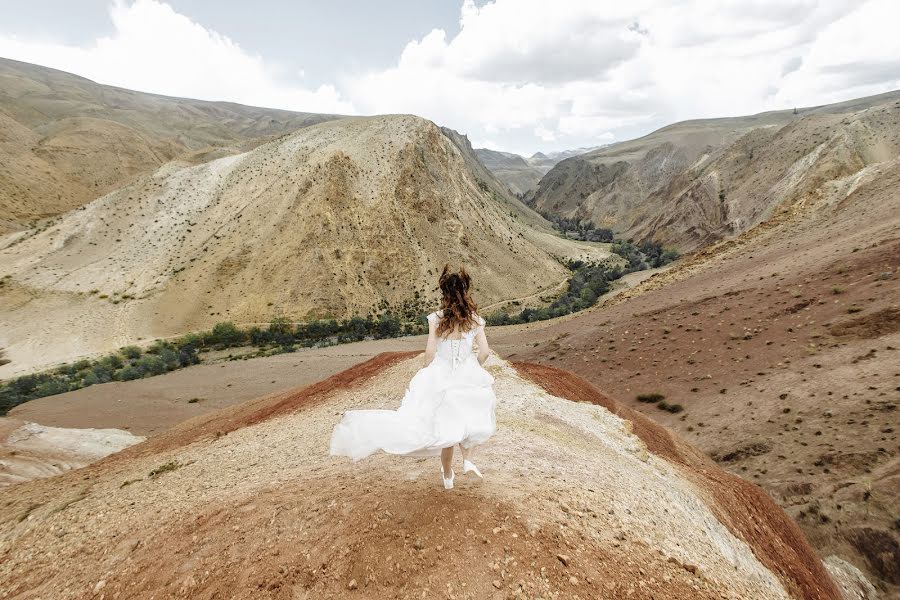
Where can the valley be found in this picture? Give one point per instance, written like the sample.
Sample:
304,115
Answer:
342,218
771,345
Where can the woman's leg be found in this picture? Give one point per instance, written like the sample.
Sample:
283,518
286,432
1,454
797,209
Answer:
466,452
447,459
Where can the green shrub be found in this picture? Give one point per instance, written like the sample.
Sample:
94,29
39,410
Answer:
258,336
150,365
129,373
111,362
387,326
225,334
51,387
103,373
131,352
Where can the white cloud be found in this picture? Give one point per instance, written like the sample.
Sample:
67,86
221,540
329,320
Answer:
856,55
540,75
545,134
155,49
529,74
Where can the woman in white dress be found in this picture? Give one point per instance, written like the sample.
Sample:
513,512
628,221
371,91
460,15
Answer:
449,402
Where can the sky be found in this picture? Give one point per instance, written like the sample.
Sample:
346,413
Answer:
515,75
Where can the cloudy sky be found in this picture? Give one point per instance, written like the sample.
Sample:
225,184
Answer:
517,75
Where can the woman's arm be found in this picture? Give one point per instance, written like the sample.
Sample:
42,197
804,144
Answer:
431,345
483,349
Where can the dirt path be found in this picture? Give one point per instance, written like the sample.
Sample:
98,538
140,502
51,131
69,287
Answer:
550,289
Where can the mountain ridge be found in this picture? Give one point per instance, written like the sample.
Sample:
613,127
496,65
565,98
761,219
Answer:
345,217
67,140
522,174
691,183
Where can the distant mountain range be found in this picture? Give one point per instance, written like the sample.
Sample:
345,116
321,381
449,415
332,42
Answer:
65,140
692,183
237,214
520,174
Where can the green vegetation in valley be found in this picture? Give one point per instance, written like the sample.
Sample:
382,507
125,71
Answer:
589,281
580,229
645,255
128,363
132,362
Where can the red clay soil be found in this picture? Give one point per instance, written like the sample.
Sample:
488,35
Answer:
747,511
423,540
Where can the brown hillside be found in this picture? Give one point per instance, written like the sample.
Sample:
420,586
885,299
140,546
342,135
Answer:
692,183
65,140
782,347
246,503
352,216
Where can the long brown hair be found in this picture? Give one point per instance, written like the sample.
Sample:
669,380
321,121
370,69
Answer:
457,306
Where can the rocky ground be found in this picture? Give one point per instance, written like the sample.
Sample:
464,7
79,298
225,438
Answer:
31,450
582,499
783,348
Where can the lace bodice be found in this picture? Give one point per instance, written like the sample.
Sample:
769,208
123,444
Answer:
456,351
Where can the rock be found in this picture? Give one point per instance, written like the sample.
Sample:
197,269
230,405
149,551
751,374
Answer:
563,558
419,544
573,580
849,579
497,584
352,585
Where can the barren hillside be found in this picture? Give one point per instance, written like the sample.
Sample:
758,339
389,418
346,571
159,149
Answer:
521,175
692,183
580,498
351,216
513,170
781,345
65,140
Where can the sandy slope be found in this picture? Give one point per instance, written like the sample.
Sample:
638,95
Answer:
65,140
347,217
580,499
782,347
692,183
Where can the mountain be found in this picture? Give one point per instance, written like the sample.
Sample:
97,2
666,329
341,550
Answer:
692,183
549,160
350,216
511,169
580,497
65,140
781,343
521,175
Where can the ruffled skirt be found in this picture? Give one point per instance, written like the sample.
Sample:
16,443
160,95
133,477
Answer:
442,407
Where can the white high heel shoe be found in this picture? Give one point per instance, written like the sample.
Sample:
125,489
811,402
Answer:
448,483
469,467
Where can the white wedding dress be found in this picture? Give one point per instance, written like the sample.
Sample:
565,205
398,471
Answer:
448,402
